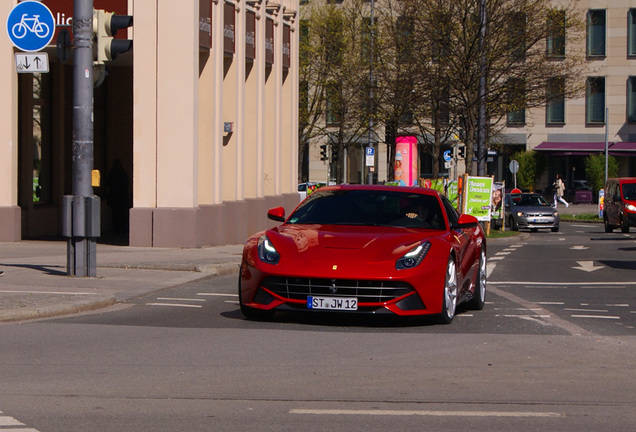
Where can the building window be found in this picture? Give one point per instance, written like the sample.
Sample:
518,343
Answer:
516,102
631,99
555,106
631,33
333,105
596,33
517,36
555,42
595,100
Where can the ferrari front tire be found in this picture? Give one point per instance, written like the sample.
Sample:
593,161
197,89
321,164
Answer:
449,301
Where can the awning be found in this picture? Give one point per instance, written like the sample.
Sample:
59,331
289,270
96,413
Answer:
587,148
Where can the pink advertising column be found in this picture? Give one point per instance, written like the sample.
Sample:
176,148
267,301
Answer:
406,173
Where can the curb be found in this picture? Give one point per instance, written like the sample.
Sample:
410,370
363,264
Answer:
56,310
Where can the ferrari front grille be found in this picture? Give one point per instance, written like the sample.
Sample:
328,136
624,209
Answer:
366,291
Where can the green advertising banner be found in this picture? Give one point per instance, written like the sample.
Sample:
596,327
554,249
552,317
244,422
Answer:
478,197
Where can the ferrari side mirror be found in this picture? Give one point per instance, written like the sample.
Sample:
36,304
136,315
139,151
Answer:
466,221
276,214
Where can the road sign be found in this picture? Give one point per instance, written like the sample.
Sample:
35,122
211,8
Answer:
514,166
370,159
447,156
30,26
32,62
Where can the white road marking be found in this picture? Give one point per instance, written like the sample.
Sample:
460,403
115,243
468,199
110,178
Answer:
218,294
562,283
585,310
425,413
180,299
174,305
8,424
596,317
9,421
551,303
495,258
502,253
587,266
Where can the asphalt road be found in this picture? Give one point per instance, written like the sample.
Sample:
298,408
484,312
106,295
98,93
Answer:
554,349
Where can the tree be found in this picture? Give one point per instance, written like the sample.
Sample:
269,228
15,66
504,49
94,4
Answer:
595,170
333,76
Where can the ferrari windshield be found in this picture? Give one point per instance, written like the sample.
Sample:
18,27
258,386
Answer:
370,207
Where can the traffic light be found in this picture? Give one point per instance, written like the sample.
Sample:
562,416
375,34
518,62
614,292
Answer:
461,152
323,152
105,26
334,154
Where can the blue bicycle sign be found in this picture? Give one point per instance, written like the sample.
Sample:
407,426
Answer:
30,26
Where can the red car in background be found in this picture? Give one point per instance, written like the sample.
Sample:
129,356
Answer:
366,249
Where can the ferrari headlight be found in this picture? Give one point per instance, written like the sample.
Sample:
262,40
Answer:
266,251
413,257
630,207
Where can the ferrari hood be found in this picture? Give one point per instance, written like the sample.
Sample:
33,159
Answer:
312,243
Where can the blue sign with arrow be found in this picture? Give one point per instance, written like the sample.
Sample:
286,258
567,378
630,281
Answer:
30,26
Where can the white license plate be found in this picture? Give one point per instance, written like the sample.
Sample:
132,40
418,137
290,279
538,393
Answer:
540,220
332,303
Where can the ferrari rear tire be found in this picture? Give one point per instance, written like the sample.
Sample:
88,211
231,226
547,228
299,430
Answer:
449,301
479,296
249,312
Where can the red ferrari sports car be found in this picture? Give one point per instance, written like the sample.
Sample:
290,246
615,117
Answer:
366,249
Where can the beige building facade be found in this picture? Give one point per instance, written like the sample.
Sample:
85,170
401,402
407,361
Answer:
569,130
201,114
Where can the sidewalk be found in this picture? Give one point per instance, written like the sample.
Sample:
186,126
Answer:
35,284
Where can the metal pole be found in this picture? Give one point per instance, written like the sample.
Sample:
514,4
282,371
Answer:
606,142
81,247
481,128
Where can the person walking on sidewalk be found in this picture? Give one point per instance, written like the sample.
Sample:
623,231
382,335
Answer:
559,190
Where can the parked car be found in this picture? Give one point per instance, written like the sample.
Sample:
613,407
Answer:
619,204
580,193
366,249
531,211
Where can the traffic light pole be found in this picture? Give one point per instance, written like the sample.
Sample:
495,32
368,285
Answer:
81,210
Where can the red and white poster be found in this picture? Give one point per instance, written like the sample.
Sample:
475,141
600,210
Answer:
406,161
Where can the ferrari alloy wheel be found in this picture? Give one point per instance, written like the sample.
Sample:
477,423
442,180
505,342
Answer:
450,293
479,297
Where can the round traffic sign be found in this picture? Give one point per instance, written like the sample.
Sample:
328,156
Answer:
447,156
30,26
514,166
